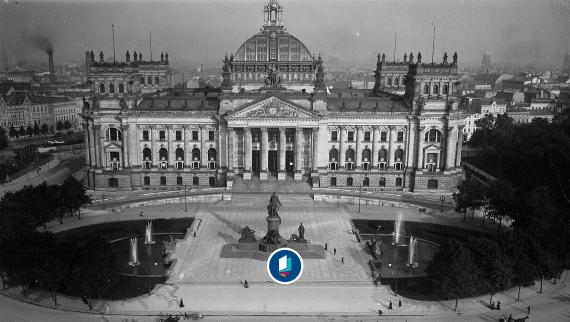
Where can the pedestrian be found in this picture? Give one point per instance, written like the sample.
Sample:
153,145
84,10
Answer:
510,319
194,234
528,308
181,303
399,303
498,305
245,284
342,260
379,312
334,251
493,305
326,246
390,305
141,213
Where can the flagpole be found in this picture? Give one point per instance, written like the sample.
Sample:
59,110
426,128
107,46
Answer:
113,27
150,44
394,47
433,44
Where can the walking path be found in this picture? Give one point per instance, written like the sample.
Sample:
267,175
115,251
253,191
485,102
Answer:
211,285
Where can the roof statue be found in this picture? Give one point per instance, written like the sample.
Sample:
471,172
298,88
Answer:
92,56
411,58
419,57
383,57
135,56
127,57
455,58
405,58
101,57
445,58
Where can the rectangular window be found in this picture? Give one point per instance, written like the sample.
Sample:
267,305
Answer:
211,135
382,182
194,135
350,136
334,136
161,135
146,180
367,136
163,181
400,137
349,181
179,181
333,181
196,181
398,182
113,182
178,135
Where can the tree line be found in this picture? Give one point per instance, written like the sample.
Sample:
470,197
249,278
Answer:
37,130
34,258
530,195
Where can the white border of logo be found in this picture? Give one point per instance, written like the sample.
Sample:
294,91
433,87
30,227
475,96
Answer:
300,272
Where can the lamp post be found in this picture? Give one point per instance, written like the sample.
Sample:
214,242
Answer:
396,284
442,198
185,203
359,195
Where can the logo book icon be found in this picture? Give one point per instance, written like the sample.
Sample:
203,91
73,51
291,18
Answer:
285,266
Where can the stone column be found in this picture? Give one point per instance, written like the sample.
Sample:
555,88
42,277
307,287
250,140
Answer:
282,148
230,148
88,143
451,149
203,147
125,146
357,154
420,153
374,154
92,145
410,147
341,147
299,154
134,154
101,152
221,146
187,153
459,146
315,149
153,148
170,146
264,148
247,153
390,156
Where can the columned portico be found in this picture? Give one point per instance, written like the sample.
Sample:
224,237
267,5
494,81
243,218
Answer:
282,148
264,150
298,154
247,153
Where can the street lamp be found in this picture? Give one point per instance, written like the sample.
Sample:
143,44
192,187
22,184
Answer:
442,198
359,194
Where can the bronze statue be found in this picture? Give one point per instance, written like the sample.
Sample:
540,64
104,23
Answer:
272,77
301,237
247,235
301,231
273,205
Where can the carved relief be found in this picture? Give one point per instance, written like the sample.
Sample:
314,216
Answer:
274,109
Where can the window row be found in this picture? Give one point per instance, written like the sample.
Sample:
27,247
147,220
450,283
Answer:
435,90
365,182
111,88
178,135
149,80
367,136
349,158
163,159
114,182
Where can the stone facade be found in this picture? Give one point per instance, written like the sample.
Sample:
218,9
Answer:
377,141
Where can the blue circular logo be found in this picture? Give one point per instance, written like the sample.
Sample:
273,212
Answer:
285,266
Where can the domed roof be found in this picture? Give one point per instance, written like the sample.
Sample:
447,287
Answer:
286,47
273,42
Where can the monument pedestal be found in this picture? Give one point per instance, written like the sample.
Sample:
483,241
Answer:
281,175
247,175
298,176
263,175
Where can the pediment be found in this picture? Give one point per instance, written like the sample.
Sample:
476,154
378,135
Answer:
113,145
272,107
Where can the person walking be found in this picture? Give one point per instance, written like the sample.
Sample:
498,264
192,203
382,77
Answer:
528,308
498,305
390,305
399,303
326,246
342,260
181,303
141,213
379,312
245,284
334,251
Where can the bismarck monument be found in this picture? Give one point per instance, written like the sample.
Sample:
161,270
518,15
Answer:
248,245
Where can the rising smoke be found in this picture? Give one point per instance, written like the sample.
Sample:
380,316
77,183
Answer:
40,41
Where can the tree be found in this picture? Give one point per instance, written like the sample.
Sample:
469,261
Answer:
22,131
44,129
495,266
29,130
54,269
467,196
525,271
67,125
36,130
59,126
453,271
13,133
92,270
74,196
3,139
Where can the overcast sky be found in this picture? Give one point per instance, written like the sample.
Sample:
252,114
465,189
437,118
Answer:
523,31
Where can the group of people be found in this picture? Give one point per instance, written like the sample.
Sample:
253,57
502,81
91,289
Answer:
390,306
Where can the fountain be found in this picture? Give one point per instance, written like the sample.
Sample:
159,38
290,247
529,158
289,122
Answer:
148,234
411,251
134,253
397,229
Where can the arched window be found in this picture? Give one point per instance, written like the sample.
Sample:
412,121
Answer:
389,81
156,80
396,82
179,154
111,88
114,134
382,155
333,155
147,154
142,80
196,154
366,155
349,155
436,89
445,89
426,89
149,80
101,88
121,88
433,135
399,155
163,154
366,182
212,154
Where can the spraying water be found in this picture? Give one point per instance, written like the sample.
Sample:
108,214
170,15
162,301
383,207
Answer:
397,229
134,253
411,251
148,239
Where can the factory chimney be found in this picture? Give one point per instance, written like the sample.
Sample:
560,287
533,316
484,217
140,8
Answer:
51,67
